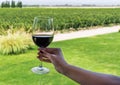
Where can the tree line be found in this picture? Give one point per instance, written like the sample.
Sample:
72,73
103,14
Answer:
12,4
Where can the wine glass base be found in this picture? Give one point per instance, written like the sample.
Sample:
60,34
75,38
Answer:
40,70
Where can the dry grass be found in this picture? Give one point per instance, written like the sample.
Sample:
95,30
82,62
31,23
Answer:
15,42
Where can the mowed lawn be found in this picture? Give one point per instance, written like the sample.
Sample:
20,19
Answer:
99,54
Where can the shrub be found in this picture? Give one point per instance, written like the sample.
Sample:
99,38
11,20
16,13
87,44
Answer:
14,43
76,17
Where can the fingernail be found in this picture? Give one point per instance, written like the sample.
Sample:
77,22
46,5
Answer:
38,56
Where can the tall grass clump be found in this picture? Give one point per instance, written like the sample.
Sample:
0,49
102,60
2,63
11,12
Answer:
15,42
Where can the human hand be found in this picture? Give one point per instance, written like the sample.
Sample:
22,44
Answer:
54,56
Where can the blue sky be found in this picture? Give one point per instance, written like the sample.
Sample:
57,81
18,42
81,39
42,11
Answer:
73,2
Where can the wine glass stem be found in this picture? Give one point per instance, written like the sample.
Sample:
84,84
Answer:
41,64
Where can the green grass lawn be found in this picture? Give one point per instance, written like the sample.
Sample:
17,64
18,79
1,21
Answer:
98,53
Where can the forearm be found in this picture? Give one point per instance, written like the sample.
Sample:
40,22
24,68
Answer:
85,77
79,75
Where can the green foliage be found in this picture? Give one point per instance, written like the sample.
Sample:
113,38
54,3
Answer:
64,18
13,4
97,54
14,42
19,4
5,4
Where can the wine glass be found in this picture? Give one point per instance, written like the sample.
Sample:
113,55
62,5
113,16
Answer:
42,35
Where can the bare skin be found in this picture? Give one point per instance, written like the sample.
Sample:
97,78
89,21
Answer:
81,76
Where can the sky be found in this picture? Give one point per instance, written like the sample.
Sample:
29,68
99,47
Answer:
71,2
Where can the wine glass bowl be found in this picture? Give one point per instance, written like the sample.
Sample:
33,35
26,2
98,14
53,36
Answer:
42,35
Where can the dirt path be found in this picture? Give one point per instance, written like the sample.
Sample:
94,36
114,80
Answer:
86,33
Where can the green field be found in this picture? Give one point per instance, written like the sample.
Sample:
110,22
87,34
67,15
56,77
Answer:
64,18
98,53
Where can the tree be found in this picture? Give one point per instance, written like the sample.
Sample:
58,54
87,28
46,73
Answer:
8,4
19,4
2,4
5,4
13,4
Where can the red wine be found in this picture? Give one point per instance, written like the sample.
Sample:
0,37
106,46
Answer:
42,40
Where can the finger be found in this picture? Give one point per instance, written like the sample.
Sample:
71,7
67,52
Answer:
44,59
39,49
53,50
42,56
44,53
40,52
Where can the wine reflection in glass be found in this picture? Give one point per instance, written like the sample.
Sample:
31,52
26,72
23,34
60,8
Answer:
42,35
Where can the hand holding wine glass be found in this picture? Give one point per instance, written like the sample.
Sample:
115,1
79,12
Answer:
54,56
43,33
